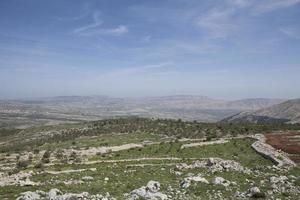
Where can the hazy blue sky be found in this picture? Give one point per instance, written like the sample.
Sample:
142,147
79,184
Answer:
220,48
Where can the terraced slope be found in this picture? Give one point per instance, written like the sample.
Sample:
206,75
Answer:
142,158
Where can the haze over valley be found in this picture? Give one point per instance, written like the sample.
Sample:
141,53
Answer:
47,111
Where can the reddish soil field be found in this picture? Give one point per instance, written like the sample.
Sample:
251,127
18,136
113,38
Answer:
288,142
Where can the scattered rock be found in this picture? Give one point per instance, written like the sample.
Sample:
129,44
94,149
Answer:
20,178
56,194
29,196
150,191
282,184
188,180
87,178
221,181
215,165
253,192
27,182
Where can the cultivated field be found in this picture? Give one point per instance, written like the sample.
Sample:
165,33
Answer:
288,142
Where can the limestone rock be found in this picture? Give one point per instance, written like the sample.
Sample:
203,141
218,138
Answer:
150,191
29,196
56,194
221,181
87,178
188,180
215,165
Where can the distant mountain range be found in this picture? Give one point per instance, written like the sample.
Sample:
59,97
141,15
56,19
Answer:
65,109
286,112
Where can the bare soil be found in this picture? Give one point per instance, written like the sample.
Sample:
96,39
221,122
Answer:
288,142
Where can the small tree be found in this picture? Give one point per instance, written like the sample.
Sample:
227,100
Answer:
46,157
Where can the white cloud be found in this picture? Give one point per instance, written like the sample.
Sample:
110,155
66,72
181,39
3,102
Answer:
147,39
240,3
121,29
96,23
263,6
146,69
94,28
217,23
220,22
75,18
290,32
271,5
117,31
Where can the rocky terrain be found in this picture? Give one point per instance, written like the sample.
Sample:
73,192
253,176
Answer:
72,109
286,112
145,159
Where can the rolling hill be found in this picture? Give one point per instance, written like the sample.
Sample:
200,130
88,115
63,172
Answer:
70,109
286,112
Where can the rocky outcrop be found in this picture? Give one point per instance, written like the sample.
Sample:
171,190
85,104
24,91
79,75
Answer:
150,191
253,192
20,178
215,165
56,194
283,184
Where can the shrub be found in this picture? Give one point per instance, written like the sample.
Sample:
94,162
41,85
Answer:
47,154
39,165
30,157
13,171
22,164
73,156
297,182
59,154
46,157
259,195
36,151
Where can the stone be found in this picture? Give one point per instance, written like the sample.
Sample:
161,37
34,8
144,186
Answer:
188,180
215,165
27,182
221,181
153,186
87,178
55,194
254,190
150,191
177,173
29,196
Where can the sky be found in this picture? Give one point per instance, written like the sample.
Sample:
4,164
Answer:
226,49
